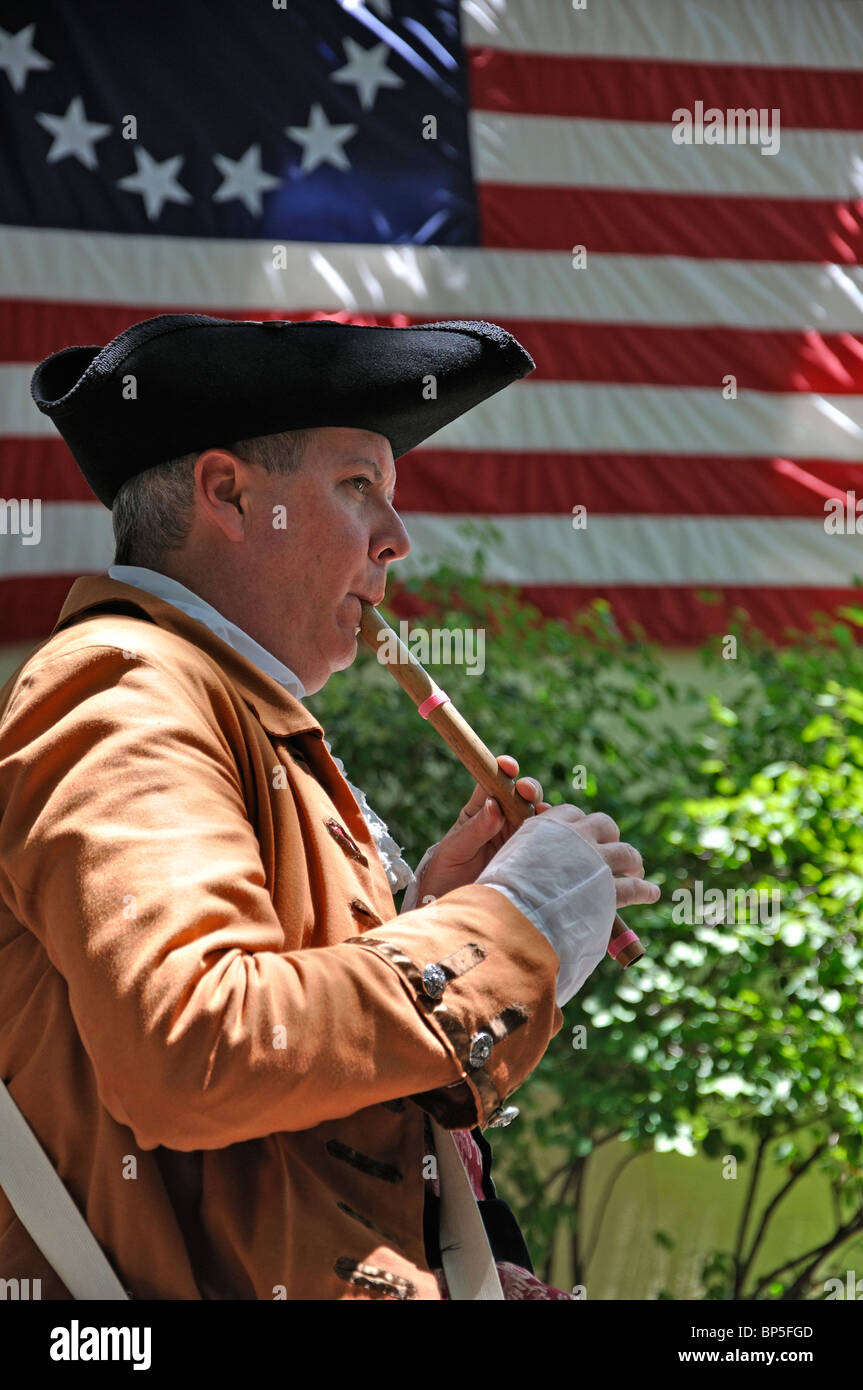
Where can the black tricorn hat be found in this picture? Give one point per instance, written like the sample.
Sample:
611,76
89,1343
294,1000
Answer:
182,383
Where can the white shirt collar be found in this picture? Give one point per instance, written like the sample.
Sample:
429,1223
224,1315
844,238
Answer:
163,587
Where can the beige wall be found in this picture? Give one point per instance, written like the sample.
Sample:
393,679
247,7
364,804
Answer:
692,1202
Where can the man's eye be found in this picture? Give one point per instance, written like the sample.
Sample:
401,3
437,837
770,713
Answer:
361,479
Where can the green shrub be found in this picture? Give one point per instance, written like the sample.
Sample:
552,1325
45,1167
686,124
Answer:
755,1023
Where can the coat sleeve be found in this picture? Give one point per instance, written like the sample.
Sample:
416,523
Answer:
125,846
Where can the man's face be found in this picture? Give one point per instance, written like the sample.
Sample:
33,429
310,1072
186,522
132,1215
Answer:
317,541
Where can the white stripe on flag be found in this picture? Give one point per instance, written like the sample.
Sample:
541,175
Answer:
791,33
641,550
541,415
643,156
72,538
429,281
76,538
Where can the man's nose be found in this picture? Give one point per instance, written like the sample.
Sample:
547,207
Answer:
392,542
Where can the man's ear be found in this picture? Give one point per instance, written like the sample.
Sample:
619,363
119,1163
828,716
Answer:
221,481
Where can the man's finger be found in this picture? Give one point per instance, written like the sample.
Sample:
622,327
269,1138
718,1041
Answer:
623,858
635,890
476,803
529,788
600,827
567,814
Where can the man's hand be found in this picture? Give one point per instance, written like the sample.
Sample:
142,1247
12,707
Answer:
476,836
568,873
527,853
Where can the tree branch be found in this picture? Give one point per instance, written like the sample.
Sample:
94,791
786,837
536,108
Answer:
744,1216
552,1177
546,1275
606,1138
771,1207
609,1185
855,1224
578,1169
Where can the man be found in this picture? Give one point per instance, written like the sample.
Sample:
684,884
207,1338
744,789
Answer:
233,1051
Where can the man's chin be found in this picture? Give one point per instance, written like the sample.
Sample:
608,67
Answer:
347,654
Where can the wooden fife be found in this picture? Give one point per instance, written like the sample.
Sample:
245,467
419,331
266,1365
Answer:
467,745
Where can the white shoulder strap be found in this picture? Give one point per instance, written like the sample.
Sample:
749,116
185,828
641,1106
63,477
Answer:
45,1208
468,1263
43,1205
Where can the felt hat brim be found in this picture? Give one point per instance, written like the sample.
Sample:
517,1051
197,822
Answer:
182,383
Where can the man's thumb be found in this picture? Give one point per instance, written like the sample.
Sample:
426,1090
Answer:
484,824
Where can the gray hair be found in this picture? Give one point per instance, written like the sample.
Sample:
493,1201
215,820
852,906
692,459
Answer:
152,512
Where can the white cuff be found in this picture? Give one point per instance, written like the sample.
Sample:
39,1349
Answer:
409,901
573,910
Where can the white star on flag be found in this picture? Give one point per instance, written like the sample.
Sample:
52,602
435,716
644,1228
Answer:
73,134
244,179
156,182
17,56
368,70
321,141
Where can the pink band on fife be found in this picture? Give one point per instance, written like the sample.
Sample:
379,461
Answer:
440,697
617,944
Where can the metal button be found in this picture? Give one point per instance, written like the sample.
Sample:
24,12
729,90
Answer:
481,1045
503,1116
434,981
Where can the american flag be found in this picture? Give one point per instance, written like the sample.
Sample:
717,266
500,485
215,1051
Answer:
695,310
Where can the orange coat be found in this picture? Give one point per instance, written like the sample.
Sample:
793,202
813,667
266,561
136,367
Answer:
210,1014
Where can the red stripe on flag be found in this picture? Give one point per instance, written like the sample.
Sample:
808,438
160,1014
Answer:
464,482
30,605
670,614
638,89
678,616
621,353
673,615
644,355
31,329
545,483
41,468
613,221
489,483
